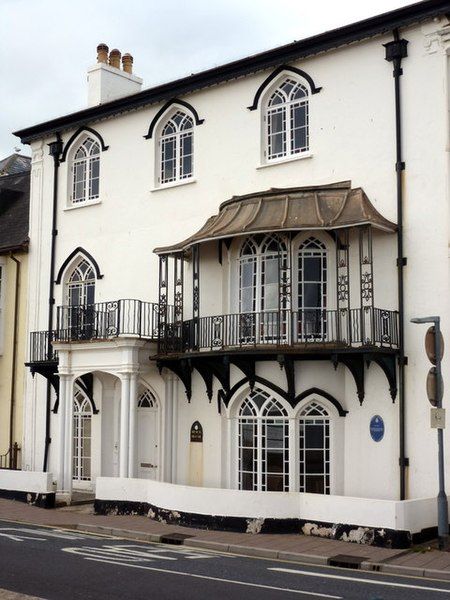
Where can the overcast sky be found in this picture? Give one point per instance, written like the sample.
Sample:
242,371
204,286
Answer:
46,46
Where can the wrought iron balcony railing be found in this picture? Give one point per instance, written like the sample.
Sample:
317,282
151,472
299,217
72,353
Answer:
366,327
103,320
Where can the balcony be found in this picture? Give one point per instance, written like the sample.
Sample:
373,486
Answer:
301,331
100,321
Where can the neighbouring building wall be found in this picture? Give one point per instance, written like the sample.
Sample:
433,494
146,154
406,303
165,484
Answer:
7,319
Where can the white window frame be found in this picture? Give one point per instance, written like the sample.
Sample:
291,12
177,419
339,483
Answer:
258,421
324,420
307,250
286,109
86,163
265,322
177,137
80,417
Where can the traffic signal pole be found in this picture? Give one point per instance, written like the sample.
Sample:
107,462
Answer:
442,504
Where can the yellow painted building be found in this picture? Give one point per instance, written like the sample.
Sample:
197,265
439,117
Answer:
14,219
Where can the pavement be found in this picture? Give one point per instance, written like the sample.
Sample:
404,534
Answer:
424,561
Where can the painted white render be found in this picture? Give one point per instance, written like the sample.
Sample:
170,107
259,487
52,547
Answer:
352,138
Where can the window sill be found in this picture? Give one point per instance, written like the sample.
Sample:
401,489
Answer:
173,184
281,161
82,204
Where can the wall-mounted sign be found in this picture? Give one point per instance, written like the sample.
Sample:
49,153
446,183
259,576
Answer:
376,428
196,432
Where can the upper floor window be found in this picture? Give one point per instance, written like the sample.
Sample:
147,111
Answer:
86,171
176,148
286,120
81,285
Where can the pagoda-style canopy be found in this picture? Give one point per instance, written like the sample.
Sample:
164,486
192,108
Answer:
332,206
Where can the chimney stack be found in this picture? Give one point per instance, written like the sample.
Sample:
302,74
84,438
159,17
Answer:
127,63
102,53
114,58
107,81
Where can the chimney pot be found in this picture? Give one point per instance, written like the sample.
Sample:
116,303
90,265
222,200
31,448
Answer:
114,58
102,53
127,63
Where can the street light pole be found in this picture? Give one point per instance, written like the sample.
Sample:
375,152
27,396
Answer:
442,503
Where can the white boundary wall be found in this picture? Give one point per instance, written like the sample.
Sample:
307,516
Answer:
408,515
26,481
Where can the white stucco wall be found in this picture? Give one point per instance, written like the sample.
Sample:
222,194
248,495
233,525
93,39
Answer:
352,138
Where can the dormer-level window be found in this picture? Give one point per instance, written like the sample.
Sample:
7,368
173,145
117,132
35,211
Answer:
176,148
86,172
286,121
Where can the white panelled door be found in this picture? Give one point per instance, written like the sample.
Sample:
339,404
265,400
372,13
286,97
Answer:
148,436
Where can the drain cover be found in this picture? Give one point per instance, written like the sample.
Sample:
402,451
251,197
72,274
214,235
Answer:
175,539
347,561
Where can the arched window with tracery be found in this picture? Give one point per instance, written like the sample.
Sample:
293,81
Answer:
263,443
287,120
314,442
176,148
86,171
79,316
147,400
260,261
312,289
82,436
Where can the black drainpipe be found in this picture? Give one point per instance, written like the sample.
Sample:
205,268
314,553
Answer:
14,359
55,151
395,52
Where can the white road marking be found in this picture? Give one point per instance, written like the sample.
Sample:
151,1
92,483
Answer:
18,534
21,538
360,580
244,583
134,553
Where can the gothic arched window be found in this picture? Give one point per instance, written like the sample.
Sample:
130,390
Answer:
263,443
82,436
176,148
314,441
312,288
86,171
286,120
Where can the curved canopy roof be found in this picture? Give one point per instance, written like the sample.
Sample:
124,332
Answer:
328,207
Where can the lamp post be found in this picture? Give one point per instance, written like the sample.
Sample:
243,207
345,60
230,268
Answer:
434,347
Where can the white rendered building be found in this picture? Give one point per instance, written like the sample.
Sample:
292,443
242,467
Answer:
233,259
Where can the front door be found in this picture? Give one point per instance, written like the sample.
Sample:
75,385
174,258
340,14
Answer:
148,438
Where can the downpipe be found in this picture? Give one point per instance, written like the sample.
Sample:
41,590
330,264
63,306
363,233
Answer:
395,52
55,152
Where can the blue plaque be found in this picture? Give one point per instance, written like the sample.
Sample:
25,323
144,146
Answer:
376,428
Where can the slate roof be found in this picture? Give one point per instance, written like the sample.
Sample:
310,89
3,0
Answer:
14,211
16,163
329,40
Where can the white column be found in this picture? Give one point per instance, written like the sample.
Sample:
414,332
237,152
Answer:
63,379
68,439
168,424
124,424
132,458
174,381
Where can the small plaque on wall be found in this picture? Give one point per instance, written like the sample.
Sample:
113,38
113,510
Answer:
196,432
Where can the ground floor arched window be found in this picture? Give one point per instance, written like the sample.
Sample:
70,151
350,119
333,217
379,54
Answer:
314,441
82,436
263,443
